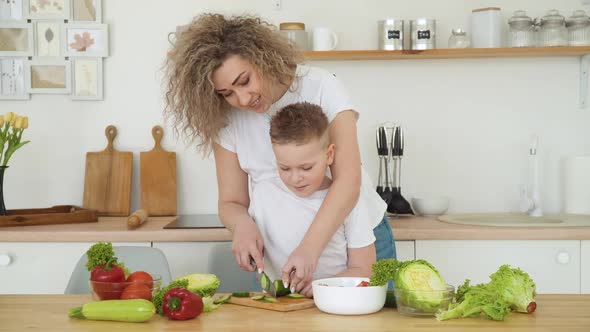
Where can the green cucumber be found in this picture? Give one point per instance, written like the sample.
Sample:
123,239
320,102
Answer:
222,299
135,311
280,289
258,297
264,282
241,294
269,299
296,296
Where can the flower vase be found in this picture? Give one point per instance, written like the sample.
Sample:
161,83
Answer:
2,207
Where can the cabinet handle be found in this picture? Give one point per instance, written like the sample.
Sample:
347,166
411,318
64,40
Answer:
563,257
5,259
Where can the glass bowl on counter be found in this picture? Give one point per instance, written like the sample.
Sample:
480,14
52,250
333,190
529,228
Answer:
423,303
102,290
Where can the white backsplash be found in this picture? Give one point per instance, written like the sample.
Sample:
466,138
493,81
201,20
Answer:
467,122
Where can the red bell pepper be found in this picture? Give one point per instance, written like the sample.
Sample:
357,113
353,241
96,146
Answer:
181,304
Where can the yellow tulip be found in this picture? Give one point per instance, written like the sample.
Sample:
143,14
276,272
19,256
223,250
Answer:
25,122
18,123
8,116
13,120
1,120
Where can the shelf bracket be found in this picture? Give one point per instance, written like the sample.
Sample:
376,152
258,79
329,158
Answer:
584,64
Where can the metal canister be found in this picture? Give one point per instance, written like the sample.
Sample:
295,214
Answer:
423,34
391,34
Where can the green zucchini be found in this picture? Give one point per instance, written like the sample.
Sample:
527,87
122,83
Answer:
241,294
136,311
222,299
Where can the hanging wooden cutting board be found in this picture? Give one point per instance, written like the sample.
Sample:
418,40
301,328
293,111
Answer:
107,182
158,178
283,303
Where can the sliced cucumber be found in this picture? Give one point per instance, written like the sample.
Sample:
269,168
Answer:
222,299
241,294
264,282
280,289
258,297
296,296
269,299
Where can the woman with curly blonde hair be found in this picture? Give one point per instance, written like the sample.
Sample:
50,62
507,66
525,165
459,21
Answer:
226,77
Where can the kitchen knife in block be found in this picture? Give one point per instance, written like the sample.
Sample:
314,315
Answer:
283,303
107,183
158,178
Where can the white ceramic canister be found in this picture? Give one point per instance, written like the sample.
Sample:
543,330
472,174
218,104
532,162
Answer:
423,33
391,34
295,32
486,27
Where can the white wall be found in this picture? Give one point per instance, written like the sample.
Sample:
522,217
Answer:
467,121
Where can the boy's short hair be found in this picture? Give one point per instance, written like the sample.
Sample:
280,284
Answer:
298,123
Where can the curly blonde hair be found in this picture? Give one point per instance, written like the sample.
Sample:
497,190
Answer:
198,112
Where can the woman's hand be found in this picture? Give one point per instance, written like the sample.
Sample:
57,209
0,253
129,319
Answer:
247,245
299,269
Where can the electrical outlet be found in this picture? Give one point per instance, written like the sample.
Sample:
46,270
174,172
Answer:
276,4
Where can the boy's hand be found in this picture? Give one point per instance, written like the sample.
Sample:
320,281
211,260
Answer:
247,245
299,269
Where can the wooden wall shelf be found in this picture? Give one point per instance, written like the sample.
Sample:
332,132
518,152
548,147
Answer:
465,53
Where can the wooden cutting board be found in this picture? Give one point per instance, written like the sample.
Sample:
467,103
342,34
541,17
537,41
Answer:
107,182
283,303
158,178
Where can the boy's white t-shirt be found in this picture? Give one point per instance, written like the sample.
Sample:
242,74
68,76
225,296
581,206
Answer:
247,135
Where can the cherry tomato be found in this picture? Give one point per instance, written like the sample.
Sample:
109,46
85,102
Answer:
141,277
137,291
363,284
107,283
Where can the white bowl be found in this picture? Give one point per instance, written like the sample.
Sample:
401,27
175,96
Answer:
341,296
430,205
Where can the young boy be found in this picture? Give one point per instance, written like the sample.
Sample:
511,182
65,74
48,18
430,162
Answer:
300,141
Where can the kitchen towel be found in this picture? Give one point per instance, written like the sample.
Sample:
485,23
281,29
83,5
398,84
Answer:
576,180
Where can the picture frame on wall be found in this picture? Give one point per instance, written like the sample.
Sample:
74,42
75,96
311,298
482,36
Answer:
12,79
85,40
48,38
16,39
48,9
87,79
12,10
86,11
48,76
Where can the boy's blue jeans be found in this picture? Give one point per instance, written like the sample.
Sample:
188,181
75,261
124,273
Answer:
384,242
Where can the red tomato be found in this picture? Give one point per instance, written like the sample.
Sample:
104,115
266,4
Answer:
108,283
363,284
141,277
137,291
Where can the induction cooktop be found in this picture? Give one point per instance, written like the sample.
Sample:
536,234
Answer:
195,221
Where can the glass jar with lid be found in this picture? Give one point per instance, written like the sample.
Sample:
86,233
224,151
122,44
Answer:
522,30
578,29
295,32
553,31
458,39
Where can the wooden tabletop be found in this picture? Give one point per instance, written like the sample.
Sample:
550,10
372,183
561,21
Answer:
49,313
404,228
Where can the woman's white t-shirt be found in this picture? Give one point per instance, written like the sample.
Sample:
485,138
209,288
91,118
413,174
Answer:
247,135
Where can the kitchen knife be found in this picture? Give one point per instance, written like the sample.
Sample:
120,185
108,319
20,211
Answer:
265,283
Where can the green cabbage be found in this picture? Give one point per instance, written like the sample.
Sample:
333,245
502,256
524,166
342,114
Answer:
204,284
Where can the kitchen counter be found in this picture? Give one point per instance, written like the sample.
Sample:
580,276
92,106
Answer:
114,229
49,313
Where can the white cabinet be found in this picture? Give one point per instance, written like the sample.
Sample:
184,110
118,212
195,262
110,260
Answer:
40,267
404,250
585,261
554,265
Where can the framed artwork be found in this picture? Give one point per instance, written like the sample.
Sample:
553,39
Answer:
12,10
47,37
45,76
85,40
87,79
16,39
86,10
48,9
12,78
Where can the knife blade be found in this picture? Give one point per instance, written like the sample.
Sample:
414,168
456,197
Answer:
264,280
